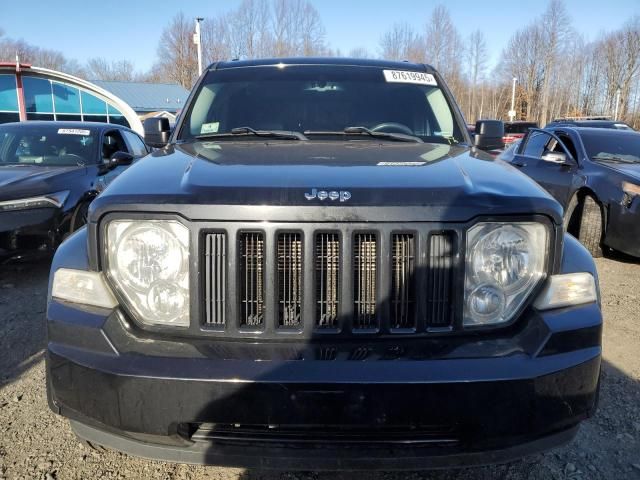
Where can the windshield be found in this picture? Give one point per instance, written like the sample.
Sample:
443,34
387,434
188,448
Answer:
47,145
622,147
317,100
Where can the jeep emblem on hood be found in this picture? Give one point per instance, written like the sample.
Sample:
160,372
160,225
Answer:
331,195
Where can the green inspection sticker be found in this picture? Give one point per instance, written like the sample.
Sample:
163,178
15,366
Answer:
210,127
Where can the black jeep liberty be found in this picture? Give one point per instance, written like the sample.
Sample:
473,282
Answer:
318,270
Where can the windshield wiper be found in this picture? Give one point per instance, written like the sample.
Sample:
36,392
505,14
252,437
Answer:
613,158
284,134
400,137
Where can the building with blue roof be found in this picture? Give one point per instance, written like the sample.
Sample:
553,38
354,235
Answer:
148,98
33,93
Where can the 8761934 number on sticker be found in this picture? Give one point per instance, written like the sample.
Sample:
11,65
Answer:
407,76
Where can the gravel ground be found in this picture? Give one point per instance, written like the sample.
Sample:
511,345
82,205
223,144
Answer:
36,444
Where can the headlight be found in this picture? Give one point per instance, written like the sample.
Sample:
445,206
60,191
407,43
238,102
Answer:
149,263
504,263
55,200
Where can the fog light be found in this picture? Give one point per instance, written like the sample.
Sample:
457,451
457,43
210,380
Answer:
80,286
567,290
486,303
166,300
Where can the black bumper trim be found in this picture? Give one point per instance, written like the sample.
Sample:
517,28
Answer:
278,457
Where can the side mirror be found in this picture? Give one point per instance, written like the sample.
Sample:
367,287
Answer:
488,135
559,158
120,158
156,132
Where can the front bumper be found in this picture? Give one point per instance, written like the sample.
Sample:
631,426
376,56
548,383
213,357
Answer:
623,228
313,414
30,229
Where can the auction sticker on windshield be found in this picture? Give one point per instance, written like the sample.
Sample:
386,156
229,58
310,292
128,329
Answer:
403,76
73,131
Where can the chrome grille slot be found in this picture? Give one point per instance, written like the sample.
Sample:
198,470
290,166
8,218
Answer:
215,278
327,258
402,281
440,275
365,261
289,253
251,276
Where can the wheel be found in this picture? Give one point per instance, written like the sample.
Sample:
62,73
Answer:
591,226
79,217
570,224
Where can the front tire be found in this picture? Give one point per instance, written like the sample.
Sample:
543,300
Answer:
591,227
79,217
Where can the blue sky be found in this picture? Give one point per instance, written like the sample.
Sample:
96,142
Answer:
130,30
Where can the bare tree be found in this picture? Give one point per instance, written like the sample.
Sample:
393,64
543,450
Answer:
177,59
118,70
555,27
522,59
401,42
359,52
249,34
477,60
442,41
40,57
297,29
216,39
443,47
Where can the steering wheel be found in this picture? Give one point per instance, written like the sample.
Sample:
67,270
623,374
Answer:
77,158
392,127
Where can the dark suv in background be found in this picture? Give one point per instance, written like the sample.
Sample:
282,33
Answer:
318,270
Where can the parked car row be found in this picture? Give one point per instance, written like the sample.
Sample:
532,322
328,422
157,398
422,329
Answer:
49,174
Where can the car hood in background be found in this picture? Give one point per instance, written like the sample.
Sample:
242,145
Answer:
631,169
22,181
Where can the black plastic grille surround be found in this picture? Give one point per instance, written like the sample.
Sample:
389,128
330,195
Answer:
336,282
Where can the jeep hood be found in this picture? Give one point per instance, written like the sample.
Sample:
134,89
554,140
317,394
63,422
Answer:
449,181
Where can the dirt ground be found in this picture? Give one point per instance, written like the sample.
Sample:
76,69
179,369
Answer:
36,444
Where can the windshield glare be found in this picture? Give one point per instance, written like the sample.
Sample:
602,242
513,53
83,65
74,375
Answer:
318,99
623,147
49,145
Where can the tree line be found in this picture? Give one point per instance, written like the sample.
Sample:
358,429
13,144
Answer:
559,73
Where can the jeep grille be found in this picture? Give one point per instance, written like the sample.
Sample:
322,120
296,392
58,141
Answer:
345,281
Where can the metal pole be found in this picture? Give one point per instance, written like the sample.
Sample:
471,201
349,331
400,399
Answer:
512,112
615,115
196,40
